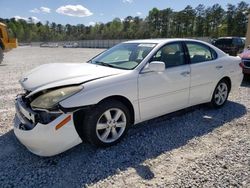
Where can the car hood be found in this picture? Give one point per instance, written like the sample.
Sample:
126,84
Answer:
61,74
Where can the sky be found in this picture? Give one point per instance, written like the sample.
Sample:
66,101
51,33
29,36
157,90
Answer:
89,12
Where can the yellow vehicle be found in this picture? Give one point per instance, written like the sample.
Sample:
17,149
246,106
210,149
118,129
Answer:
6,43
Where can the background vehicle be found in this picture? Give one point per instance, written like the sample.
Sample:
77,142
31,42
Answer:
245,58
230,45
6,43
49,45
71,45
244,39
132,82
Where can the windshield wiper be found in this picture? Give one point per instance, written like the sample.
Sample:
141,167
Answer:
104,64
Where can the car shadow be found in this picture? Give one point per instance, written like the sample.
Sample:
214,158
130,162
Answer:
85,164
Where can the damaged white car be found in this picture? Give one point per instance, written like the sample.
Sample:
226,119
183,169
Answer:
65,104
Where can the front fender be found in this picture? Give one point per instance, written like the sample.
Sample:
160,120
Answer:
96,91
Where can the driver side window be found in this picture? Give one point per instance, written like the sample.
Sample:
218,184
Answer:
171,54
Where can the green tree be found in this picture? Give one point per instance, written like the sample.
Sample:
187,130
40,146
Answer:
211,21
154,22
199,21
166,20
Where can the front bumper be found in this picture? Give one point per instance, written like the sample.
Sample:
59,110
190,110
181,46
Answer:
44,139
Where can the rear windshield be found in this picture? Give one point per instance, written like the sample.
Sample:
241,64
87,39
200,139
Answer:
224,42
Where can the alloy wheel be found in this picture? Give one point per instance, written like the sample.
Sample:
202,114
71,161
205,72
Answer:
111,125
221,93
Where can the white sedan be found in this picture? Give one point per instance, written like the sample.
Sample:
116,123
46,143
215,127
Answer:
64,104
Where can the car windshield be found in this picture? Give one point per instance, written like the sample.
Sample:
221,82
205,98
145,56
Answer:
124,56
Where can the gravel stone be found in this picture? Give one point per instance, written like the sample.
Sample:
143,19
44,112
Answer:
196,147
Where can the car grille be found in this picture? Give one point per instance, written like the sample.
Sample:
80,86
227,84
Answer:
246,62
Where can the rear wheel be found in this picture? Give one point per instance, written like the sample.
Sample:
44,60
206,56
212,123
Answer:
1,55
107,123
220,94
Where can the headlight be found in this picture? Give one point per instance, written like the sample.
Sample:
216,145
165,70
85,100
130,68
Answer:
51,98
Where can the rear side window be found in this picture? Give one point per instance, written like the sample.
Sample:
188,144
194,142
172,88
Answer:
200,53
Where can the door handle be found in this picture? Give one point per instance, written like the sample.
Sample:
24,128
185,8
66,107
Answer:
185,73
219,67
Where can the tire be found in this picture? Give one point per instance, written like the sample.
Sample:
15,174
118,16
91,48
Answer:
220,94
102,128
1,55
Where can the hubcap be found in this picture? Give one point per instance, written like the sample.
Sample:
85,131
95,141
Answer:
221,93
111,125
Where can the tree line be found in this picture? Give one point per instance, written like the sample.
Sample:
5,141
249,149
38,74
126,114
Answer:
200,21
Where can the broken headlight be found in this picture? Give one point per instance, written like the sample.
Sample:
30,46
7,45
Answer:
51,98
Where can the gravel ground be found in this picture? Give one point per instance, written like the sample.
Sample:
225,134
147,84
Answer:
198,147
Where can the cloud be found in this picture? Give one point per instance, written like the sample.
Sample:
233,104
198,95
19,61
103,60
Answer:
45,10
128,1
74,10
92,23
139,13
35,19
32,19
35,10
19,18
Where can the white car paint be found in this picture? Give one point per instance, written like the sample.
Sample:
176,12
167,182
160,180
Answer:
59,74
205,76
45,140
160,90
151,94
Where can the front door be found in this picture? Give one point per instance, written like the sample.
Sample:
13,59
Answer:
164,92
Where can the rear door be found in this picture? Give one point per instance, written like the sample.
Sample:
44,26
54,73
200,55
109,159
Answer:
205,71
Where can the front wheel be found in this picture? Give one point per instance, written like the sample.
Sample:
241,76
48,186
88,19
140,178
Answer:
220,94
107,123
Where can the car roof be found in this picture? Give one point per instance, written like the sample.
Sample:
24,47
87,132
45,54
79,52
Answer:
162,40
229,38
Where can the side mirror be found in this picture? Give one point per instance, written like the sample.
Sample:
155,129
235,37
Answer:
156,66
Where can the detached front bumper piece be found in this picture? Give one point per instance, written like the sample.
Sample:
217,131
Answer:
44,139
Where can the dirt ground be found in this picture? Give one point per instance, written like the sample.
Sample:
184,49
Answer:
200,147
